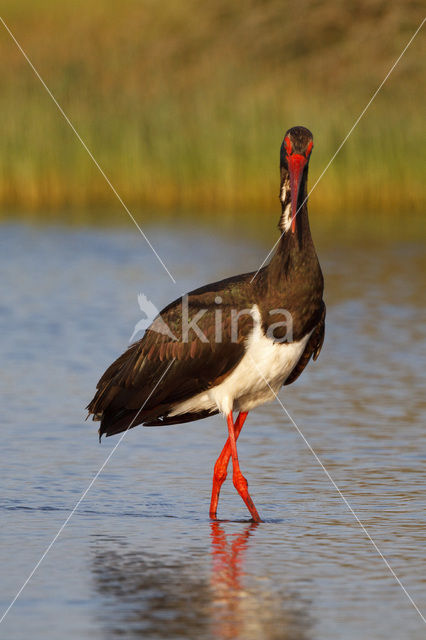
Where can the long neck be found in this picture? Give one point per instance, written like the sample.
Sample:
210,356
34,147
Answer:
295,251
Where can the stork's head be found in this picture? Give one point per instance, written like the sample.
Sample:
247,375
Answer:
294,159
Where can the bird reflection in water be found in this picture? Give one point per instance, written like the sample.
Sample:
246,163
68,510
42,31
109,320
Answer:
227,570
148,596
248,612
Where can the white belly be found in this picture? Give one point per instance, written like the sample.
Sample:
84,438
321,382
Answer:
262,371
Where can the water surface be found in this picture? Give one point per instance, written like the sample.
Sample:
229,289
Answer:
140,558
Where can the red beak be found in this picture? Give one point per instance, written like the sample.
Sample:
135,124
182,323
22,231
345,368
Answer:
296,164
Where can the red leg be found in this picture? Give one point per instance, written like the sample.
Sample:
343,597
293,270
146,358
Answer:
221,466
240,483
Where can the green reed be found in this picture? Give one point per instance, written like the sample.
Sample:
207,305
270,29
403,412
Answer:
178,126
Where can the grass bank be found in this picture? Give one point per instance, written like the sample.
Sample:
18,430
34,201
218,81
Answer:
184,104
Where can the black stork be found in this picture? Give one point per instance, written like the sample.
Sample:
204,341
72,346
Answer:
230,345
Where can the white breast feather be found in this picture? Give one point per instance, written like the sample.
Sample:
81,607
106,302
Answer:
245,388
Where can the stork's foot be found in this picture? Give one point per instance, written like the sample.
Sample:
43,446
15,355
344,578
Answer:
241,485
219,477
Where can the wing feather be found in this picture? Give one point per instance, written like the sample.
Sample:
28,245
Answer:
312,348
194,366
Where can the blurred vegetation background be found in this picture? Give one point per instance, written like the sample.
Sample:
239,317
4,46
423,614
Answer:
184,104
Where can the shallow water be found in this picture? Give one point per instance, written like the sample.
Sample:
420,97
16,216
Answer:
139,557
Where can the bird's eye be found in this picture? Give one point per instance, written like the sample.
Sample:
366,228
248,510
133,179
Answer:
309,149
288,146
